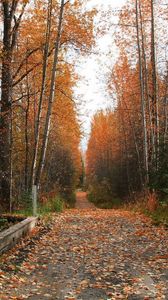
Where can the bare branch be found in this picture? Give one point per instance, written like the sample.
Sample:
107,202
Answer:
24,60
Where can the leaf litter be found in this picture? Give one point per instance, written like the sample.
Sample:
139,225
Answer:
89,254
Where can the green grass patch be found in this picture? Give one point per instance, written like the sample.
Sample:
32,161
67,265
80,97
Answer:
159,216
104,201
25,212
53,205
56,204
69,199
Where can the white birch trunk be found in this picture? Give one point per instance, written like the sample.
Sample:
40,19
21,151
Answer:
45,60
34,200
51,99
154,85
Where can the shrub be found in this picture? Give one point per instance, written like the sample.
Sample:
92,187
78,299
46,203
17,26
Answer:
102,196
69,197
57,205
160,215
51,205
152,201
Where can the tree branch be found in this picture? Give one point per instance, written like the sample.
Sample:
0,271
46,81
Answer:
24,60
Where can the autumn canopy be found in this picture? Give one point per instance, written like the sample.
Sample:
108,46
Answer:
40,130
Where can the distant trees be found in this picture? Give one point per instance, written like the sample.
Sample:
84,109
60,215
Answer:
138,82
34,81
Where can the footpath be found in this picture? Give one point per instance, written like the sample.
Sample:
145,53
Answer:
90,254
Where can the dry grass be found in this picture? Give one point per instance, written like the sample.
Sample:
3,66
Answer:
148,203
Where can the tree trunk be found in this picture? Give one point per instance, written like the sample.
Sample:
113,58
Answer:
50,101
146,91
26,135
135,143
5,112
10,29
155,115
45,59
166,110
143,109
130,189
11,162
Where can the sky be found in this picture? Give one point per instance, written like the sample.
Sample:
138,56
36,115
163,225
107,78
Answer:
91,90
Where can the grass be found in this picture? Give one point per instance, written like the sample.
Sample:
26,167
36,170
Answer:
113,203
27,212
160,215
104,202
57,204
69,199
52,205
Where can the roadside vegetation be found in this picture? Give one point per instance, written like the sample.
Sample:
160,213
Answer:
127,154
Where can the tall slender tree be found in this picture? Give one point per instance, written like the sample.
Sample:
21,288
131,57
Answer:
51,99
143,104
11,23
43,85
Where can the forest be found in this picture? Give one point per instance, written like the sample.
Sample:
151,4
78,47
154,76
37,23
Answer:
127,150
83,149
40,126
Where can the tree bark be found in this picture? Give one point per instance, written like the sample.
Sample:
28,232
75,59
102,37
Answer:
155,115
27,135
10,29
143,109
166,110
50,100
151,140
37,126
5,110
135,143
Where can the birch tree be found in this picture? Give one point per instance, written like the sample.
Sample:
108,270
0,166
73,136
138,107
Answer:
51,99
155,115
43,84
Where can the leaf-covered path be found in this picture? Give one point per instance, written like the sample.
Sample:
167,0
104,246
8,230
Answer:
91,254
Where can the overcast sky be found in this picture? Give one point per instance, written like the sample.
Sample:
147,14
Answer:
93,70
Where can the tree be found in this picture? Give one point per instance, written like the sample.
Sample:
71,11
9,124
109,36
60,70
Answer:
51,99
31,68
143,104
11,23
43,85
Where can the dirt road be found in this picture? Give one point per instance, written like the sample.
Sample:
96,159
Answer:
91,254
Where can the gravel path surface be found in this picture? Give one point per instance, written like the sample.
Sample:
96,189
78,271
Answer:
91,254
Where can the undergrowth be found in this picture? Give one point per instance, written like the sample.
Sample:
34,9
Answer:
159,216
56,204
104,201
157,211
148,204
69,199
53,205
